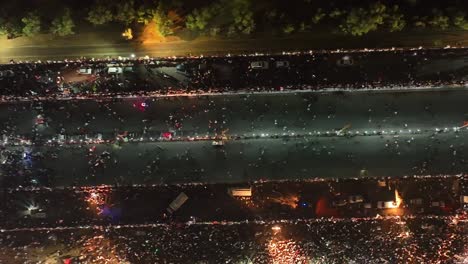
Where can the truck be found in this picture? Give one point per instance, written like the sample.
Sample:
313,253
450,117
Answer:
177,203
240,192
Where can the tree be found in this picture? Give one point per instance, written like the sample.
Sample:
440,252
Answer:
63,25
163,23
126,12
459,20
319,15
336,13
200,19
32,24
360,21
243,17
420,22
439,21
288,28
144,15
396,20
99,14
10,27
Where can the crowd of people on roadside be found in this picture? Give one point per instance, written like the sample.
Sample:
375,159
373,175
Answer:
311,71
368,240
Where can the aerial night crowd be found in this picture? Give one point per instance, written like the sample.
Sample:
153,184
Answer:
134,142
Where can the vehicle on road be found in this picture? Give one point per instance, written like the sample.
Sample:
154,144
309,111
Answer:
355,199
114,70
259,65
345,61
240,192
85,71
282,64
217,143
177,203
386,204
6,74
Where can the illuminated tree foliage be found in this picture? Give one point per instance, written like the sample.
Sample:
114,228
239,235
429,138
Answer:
163,23
99,14
460,21
361,21
63,24
232,17
126,12
439,21
396,20
10,28
243,17
199,19
319,15
32,24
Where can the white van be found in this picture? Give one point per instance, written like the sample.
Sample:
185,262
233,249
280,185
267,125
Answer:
259,65
282,64
85,71
386,204
114,70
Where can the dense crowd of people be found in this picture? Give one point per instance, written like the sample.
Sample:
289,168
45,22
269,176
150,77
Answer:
368,240
103,233
308,71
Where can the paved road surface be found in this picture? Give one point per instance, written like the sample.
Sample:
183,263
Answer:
244,160
245,115
97,45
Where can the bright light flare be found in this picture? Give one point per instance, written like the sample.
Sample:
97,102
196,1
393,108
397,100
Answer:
398,199
276,228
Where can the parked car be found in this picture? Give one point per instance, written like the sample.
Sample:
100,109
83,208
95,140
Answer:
260,65
345,61
282,64
386,204
85,71
355,199
340,202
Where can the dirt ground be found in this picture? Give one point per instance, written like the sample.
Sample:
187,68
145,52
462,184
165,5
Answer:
104,42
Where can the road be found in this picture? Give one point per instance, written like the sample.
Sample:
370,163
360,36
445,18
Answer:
244,160
249,159
103,44
244,114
